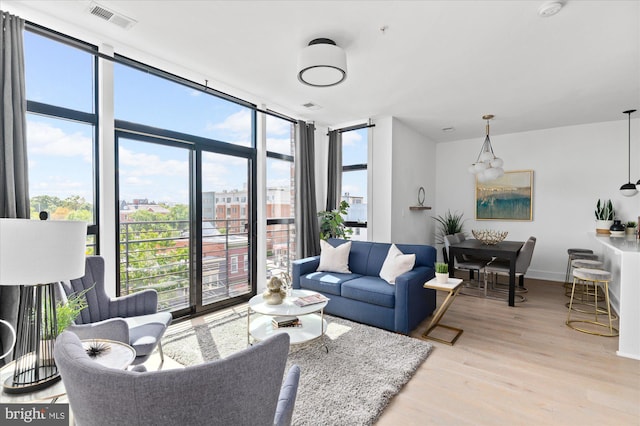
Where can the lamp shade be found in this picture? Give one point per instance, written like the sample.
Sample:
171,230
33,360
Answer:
322,63
40,252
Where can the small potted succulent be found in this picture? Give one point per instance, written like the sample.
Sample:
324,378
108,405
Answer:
631,227
442,272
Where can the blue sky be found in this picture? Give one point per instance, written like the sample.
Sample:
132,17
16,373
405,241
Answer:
60,151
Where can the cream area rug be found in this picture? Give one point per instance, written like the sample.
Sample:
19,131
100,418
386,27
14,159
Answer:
351,384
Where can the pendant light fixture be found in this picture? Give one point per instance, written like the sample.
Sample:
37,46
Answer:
629,189
487,167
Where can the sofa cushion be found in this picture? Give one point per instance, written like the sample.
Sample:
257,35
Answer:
373,290
396,263
334,259
325,282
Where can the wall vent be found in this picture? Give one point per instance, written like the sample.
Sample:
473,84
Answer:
111,16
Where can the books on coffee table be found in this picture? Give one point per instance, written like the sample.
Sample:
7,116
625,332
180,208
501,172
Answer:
310,300
280,322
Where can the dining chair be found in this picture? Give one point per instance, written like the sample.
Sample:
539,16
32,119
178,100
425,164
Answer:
501,267
475,265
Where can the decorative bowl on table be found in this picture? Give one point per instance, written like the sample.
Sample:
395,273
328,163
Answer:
489,236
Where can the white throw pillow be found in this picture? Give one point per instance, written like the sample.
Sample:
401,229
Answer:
334,259
396,264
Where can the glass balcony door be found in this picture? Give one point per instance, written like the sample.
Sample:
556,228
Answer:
185,223
154,221
225,233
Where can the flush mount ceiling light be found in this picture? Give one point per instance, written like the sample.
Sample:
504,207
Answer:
487,166
322,64
550,9
629,189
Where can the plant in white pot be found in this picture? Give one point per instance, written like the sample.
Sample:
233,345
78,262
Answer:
442,272
604,216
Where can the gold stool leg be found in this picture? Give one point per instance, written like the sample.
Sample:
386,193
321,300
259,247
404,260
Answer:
572,323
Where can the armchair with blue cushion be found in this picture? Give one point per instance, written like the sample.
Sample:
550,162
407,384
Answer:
131,319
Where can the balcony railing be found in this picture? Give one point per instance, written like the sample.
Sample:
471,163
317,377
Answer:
280,246
156,254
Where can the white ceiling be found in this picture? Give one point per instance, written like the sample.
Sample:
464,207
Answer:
438,64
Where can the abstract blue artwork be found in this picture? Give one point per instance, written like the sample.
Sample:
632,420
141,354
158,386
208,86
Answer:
510,197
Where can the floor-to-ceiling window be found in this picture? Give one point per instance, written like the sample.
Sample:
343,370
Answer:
60,77
280,195
186,190
185,173
354,180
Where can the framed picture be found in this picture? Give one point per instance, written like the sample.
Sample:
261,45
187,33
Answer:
510,197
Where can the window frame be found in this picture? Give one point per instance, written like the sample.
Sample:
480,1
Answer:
63,113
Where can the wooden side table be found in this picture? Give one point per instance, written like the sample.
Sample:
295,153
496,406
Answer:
452,287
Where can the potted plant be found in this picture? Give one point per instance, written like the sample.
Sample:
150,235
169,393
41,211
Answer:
332,223
450,223
631,227
66,313
604,216
442,272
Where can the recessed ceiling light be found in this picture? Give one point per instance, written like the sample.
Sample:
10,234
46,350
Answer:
549,9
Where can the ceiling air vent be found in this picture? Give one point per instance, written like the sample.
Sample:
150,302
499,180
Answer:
111,16
311,106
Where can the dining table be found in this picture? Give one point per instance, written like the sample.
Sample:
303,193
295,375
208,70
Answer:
507,250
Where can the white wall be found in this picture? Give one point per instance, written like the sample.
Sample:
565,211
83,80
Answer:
413,160
573,167
380,171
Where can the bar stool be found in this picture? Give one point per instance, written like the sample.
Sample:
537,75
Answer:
586,254
577,253
596,278
585,292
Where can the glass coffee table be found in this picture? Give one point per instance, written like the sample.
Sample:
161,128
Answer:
260,316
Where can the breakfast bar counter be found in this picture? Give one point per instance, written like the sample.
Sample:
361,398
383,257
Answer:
621,257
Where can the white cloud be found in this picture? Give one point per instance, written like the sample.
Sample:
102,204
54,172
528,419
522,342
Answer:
144,164
350,138
61,187
236,128
280,167
282,146
277,126
137,181
45,139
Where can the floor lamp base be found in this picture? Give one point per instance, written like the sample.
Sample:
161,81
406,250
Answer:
16,388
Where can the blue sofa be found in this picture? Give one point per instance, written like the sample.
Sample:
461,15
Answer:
363,296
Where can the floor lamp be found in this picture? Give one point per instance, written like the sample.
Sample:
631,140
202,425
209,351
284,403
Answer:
35,255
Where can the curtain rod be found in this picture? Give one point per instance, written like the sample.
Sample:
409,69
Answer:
89,48
354,127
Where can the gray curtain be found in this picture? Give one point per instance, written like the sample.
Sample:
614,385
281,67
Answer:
334,173
307,229
14,184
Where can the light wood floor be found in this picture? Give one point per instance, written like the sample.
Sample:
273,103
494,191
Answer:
519,366
512,366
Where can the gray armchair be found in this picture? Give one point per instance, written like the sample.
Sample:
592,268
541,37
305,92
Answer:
246,388
131,319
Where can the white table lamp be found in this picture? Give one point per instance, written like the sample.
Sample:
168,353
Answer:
35,255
